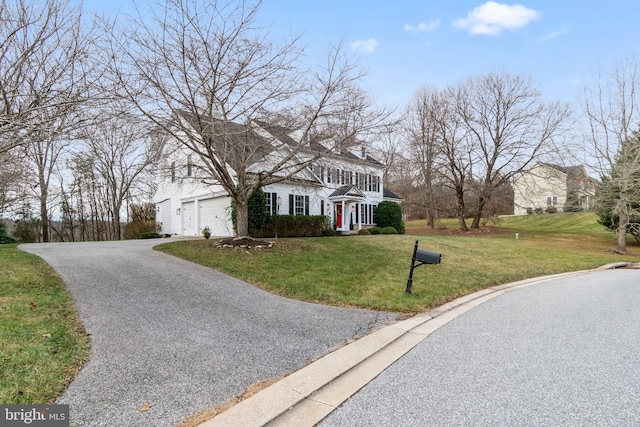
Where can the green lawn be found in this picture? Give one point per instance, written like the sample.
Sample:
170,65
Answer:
371,271
42,342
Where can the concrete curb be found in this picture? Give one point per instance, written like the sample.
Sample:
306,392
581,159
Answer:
308,395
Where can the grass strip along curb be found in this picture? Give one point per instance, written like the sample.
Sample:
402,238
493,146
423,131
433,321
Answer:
43,343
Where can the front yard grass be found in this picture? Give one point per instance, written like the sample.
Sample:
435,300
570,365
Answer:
371,271
42,341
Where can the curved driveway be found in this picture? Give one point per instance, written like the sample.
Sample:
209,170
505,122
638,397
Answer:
180,337
561,353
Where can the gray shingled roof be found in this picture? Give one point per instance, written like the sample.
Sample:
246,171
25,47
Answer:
388,194
237,137
344,190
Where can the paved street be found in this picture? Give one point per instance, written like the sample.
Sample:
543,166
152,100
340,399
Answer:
560,353
180,337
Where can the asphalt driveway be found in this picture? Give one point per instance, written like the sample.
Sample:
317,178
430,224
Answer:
180,337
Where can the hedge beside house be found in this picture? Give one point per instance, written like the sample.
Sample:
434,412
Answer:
295,226
389,214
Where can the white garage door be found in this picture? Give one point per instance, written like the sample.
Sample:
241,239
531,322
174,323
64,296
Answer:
189,220
215,214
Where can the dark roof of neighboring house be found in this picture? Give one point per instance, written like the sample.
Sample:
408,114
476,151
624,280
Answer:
388,194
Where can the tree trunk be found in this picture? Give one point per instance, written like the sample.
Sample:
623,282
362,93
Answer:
430,219
461,208
44,215
482,201
242,219
44,211
622,226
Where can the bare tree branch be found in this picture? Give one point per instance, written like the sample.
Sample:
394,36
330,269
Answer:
207,74
43,74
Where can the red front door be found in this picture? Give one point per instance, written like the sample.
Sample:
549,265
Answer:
339,216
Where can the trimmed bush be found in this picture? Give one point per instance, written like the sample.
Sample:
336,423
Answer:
363,232
328,232
389,214
4,236
389,230
375,230
296,226
150,235
135,229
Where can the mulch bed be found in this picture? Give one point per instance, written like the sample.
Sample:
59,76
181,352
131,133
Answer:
244,243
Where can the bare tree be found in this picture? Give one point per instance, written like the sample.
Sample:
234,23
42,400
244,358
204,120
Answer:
12,177
611,106
439,149
122,149
44,155
212,62
83,200
422,131
509,126
42,68
457,151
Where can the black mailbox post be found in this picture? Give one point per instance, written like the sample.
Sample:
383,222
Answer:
420,257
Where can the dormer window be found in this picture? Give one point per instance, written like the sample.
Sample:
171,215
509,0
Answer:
363,152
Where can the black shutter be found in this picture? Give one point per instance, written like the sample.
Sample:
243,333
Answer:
290,204
306,205
274,203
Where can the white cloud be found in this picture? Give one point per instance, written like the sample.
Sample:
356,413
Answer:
364,46
554,34
492,18
423,26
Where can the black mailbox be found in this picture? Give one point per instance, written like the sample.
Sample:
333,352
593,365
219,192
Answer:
420,257
428,257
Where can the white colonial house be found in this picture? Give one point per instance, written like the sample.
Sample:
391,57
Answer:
546,186
344,184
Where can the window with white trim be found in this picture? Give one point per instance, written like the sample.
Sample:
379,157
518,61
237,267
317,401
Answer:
298,204
271,203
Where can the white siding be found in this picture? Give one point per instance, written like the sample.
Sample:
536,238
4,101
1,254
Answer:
165,216
189,203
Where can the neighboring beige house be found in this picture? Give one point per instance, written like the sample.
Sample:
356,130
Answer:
546,186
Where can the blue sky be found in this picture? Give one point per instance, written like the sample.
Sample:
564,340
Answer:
406,44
